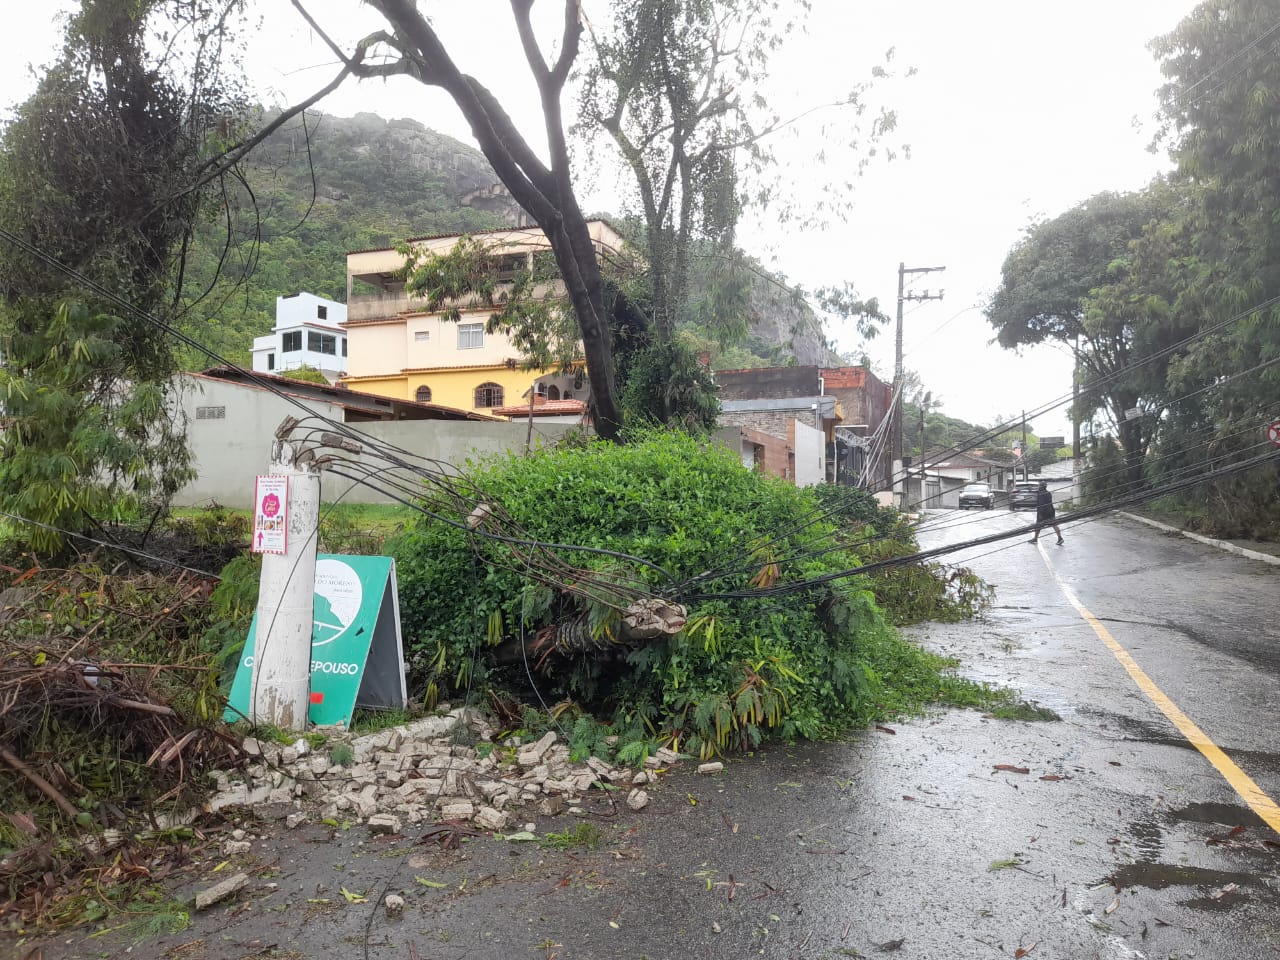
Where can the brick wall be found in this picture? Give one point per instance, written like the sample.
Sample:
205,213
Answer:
776,423
767,383
773,454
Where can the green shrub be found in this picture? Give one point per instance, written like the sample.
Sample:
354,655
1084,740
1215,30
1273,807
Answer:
213,526
231,608
803,665
910,593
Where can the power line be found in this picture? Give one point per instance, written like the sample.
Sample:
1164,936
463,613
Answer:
112,545
803,585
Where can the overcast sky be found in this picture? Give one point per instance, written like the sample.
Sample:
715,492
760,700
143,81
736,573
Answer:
1018,109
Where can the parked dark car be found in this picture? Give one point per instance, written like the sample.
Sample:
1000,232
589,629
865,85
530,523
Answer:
1023,495
978,495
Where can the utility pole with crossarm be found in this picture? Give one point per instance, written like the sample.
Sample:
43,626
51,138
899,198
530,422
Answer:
899,474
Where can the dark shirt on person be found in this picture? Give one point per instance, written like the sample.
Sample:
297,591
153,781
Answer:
1044,505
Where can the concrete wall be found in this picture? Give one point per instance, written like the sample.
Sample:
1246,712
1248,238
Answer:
763,451
810,455
231,441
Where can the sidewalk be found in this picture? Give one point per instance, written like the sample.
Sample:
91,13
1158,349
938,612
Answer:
1254,550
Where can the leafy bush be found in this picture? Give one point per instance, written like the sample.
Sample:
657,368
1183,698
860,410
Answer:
212,526
803,665
910,593
305,374
231,607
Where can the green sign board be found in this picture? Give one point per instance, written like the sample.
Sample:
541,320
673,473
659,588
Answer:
356,656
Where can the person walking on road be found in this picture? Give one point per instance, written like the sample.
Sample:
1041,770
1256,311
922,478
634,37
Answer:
1045,512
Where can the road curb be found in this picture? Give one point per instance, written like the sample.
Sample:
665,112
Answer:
1220,544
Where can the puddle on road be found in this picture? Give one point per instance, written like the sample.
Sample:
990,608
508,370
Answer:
1148,839
1226,814
1221,889
1158,876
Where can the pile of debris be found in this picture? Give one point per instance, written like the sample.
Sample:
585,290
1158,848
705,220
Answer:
422,771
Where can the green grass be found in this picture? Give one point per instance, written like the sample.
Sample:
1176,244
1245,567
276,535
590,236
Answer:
341,754
371,721
1023,710
915,679
584,836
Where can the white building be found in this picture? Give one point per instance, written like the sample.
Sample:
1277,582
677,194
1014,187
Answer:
308,333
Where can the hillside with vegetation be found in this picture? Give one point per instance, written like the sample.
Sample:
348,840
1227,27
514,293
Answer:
314,191
308,195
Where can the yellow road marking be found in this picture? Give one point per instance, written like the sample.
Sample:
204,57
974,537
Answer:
1241,782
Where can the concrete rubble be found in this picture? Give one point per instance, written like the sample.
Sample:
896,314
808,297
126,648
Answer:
220,891
442,767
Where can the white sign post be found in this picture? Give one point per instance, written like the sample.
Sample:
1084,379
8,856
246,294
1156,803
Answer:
271,515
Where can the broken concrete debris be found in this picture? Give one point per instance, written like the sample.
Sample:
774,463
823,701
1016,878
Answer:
221,891
394,905
425,771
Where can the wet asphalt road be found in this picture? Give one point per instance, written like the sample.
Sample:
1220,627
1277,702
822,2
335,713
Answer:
902,842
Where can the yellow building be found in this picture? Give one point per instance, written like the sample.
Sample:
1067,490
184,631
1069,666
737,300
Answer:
397,348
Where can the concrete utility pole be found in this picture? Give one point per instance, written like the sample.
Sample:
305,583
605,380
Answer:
899,476
1025,468
281,685
1075,423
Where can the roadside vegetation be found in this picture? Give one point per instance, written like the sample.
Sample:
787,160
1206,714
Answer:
748,666
1167,295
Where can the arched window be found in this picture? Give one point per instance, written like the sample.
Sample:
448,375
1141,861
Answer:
553,392
489,395
567,395
423,395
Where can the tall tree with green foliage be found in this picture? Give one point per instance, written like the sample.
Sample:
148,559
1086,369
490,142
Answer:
1045,296
95,201
678,87
1220,107
543,187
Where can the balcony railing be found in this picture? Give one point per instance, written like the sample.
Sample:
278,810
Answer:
377,306
374,306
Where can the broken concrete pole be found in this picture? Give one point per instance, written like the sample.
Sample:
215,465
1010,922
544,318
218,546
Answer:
651,618
221,891
600,768
714,767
